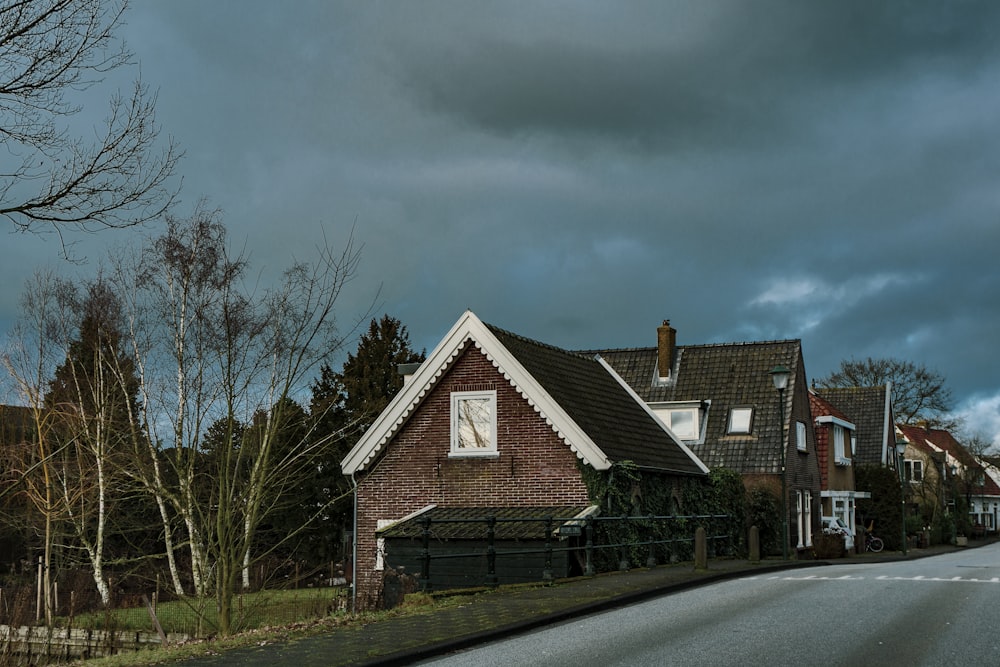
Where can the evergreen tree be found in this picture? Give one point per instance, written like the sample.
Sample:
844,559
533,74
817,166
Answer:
90,398
345,404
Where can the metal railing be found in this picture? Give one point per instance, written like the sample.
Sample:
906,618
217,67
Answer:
651,532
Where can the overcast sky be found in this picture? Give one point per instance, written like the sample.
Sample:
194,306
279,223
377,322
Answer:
577,172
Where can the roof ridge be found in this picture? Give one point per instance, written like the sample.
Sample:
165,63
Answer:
749,343
538,343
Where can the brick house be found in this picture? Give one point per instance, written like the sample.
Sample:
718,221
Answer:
719,399
870,410
495,420
939,470
836,445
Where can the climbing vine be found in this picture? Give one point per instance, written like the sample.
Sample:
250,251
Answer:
626,490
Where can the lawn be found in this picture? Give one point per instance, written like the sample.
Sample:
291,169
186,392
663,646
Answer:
197,617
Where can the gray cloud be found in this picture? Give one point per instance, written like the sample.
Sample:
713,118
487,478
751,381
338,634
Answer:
578,172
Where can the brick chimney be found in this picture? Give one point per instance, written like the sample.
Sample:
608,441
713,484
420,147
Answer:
666,342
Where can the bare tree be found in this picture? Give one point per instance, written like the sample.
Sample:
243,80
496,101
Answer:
211,354
918,393
50,49
29,356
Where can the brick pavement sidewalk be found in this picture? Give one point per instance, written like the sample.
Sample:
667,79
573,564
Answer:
491,615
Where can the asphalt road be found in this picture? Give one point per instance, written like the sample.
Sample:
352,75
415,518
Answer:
935,611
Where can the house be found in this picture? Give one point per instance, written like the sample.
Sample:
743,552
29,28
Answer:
870,410
493,421
836,447
720,399
872,443
924,474
942,473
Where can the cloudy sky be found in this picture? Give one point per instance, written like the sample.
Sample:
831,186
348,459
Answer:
579,171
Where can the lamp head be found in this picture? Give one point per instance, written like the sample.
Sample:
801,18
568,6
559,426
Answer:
779,375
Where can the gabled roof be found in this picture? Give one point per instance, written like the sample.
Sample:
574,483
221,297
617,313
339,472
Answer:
870,409
945,449
729,375
821,408
938,440
593,410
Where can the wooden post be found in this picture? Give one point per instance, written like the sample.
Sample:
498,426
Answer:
38,615
754,544
700,549
156,621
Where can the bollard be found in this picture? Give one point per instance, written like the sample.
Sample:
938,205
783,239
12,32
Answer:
754,544
700,549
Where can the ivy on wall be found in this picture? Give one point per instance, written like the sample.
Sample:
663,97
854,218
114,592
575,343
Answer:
626,490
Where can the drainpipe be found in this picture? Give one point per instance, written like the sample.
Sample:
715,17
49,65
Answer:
354,550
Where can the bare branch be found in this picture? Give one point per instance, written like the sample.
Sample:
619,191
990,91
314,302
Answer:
48,49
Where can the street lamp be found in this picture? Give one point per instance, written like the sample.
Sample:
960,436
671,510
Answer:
779,375
900,449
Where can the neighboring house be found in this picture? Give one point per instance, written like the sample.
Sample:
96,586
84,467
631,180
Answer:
924,473
492,420
836,444
873,439
870,410
989,508
940,469
721,401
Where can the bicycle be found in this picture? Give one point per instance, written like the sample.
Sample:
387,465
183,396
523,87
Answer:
873,544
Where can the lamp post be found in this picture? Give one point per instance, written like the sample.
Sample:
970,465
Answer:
954,505
779,375
900,449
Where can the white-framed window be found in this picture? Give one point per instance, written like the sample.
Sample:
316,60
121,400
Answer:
838,441
913,470
474,423
740,420
684,423
800,436
685,419
808,518
840,446
800,518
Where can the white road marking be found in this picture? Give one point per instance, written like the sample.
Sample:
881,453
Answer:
849,577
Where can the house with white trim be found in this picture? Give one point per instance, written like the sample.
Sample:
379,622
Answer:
494,421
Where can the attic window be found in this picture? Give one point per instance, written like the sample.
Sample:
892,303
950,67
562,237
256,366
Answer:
684,423
740,420
685,419
474,423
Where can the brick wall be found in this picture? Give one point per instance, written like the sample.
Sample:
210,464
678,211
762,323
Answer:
535,467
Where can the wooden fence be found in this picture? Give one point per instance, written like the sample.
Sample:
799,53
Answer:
41,645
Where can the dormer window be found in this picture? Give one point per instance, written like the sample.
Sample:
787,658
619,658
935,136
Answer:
842,437
474,423
684,418
740,421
